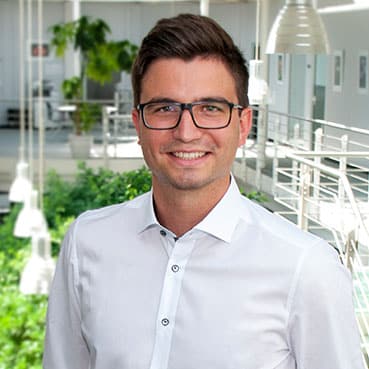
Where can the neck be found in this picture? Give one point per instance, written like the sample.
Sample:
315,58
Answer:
180,210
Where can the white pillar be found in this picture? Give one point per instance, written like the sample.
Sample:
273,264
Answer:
204,7
263,114
72,65
309,100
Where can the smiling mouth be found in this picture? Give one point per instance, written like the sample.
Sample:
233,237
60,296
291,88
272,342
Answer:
188,155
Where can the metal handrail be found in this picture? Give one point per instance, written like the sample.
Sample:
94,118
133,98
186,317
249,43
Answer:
334,172
319,121
347,154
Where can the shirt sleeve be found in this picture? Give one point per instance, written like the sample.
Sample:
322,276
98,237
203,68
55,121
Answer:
323,332
65,347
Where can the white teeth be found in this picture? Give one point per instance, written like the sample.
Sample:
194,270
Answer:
188,155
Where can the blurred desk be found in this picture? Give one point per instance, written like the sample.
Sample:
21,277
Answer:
66,110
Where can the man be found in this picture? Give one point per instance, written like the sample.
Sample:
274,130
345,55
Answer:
193,275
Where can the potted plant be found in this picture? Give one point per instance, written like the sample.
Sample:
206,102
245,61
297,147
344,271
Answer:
100,58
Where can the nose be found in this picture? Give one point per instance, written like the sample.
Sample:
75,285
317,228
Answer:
186,130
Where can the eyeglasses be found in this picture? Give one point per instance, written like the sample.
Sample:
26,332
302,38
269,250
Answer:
211,114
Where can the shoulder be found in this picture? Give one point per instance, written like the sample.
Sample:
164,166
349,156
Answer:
113,211
298,253
99,228
97,224
277,229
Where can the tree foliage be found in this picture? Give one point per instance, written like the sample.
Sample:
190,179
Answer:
100,59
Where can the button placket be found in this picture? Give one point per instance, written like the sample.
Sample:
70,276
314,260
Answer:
181,251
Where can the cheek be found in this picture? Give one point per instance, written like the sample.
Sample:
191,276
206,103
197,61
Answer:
150,141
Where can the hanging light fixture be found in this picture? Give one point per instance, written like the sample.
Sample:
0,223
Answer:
298,29
38,273
258,88
21,186
30,91
30,219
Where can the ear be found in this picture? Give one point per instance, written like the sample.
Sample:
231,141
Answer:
136,122
245,125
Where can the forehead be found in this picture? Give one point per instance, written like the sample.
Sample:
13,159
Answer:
186,80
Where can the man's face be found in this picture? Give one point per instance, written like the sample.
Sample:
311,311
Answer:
187,157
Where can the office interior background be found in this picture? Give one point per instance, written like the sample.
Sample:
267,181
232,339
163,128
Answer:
305,87
328,91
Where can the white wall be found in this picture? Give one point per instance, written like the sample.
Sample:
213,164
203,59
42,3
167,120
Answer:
133,20
347,32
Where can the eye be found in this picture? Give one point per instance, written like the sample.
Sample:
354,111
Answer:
168,108
163,108
212,107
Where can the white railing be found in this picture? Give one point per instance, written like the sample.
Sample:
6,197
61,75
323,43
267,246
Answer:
319,173
346,221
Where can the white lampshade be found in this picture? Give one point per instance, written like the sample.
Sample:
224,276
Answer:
298,29
30,219
38,273
258,88
21,186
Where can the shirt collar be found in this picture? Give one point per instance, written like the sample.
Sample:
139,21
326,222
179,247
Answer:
223,219
220,222
148,216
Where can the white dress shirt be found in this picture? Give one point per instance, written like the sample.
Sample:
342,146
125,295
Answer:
244,289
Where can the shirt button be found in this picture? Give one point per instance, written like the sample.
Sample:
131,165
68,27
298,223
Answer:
163,233
165,322
175,268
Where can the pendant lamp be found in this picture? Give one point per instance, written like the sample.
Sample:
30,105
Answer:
38,273
21,187
30,219
298,29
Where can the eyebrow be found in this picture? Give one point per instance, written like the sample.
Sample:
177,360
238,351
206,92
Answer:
160,99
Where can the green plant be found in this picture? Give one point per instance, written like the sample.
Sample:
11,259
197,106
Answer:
12,250
72,87
22,318
88,115
22,323
100,58
256,196
91,189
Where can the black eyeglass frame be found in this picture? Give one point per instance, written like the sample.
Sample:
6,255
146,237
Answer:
188,106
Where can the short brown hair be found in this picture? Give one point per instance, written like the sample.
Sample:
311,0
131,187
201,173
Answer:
187,36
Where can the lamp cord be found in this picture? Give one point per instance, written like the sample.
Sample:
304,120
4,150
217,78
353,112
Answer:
30,93
40,111
257,30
